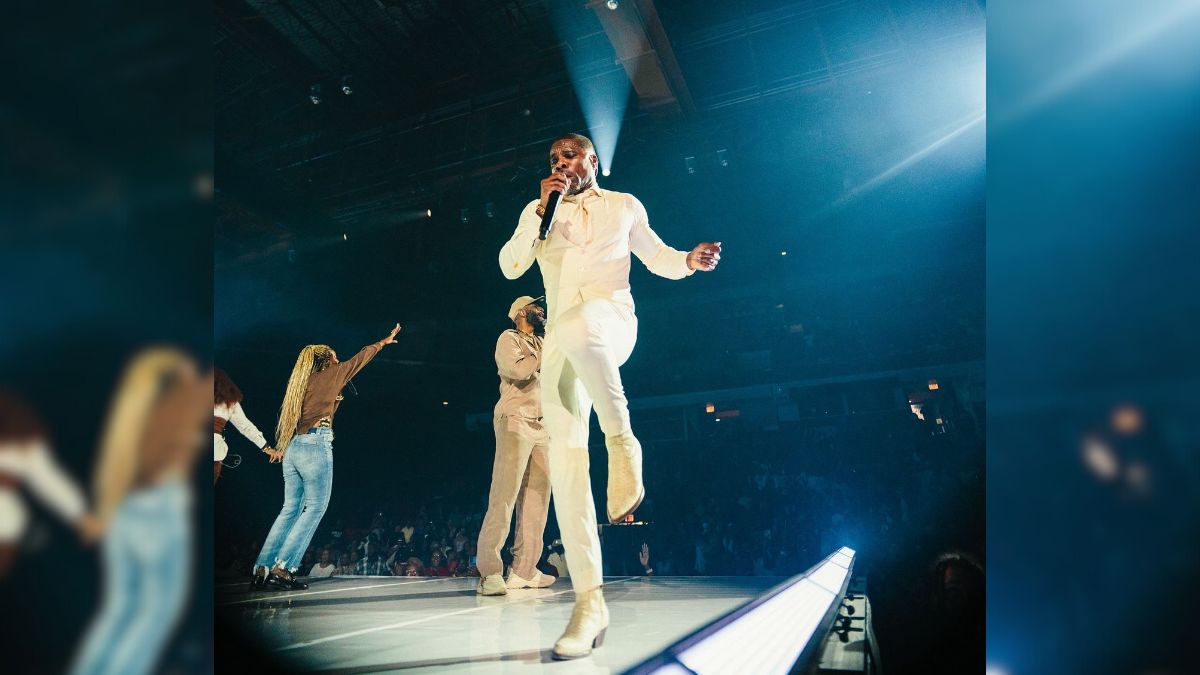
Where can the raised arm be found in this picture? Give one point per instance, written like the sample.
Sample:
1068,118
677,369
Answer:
356,363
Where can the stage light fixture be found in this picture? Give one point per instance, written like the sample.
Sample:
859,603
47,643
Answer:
779,627
723,157
344,237
464,215
347,85
689,163
428,213
314,94
613,4
489,210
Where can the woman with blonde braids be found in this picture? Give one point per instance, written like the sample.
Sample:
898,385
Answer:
305,432
152,439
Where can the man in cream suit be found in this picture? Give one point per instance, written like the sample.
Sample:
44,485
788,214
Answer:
590,333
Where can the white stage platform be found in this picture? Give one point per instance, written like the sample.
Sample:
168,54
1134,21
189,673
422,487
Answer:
440,625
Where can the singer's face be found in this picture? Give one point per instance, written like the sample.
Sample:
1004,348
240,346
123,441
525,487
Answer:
572,160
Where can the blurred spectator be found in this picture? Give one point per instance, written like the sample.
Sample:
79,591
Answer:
644,560
324,567
373,563
336,535
414,568
437,565
557,559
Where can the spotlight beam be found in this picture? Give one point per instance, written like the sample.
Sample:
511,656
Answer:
899,167
1080,73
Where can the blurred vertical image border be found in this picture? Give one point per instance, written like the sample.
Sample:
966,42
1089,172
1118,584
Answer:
1092,369
106,185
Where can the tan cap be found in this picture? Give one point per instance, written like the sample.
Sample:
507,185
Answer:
518,304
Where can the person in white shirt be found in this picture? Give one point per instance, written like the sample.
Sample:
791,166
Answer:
27,461
590,333
323,567
228,408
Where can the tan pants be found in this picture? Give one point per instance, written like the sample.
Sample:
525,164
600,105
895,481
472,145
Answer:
583,350
520,481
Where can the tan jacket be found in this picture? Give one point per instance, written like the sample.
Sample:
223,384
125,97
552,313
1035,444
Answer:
518,362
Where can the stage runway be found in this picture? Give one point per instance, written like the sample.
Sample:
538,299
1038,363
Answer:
440,625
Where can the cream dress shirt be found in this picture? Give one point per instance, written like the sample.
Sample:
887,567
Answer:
586,255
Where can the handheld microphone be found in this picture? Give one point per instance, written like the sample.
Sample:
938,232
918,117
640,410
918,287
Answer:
548,217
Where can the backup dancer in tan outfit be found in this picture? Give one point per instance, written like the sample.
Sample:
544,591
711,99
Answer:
520,473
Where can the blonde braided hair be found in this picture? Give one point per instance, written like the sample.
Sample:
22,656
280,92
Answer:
312,359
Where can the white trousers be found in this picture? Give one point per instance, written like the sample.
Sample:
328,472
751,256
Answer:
581,356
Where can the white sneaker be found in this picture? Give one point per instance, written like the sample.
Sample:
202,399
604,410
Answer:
539,580
492,584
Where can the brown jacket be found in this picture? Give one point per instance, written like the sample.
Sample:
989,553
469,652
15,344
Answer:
320,401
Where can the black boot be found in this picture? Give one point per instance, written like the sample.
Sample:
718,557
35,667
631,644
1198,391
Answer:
258,579
282,580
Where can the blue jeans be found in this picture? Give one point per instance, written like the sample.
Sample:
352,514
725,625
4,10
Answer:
147,554
307,483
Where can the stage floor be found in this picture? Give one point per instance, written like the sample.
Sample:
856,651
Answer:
440,625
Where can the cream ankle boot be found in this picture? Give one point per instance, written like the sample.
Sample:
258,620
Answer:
589,621
625,489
